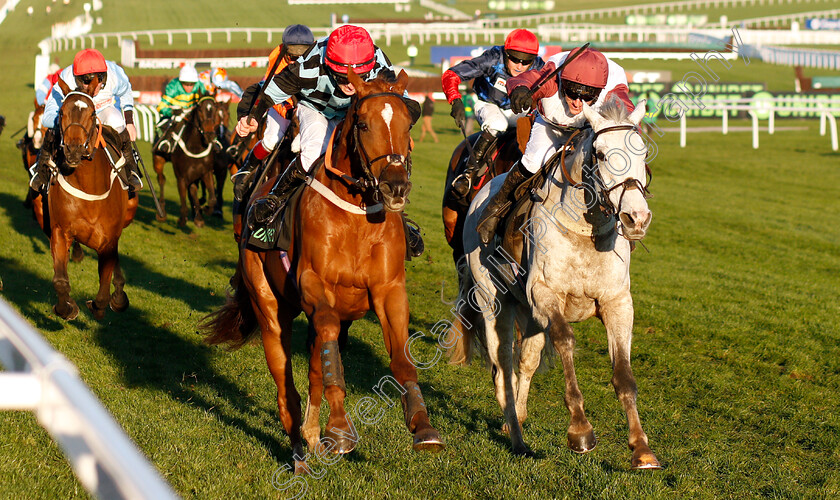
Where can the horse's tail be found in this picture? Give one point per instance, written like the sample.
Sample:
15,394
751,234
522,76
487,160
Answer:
467,323
235,323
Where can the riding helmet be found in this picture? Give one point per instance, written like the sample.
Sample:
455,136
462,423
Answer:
89,61
350,46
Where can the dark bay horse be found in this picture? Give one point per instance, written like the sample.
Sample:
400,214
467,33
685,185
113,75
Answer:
346,258
88,205
193,157
500,158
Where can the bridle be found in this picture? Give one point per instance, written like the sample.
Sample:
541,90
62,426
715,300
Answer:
90,134
200,119
627,184
368,180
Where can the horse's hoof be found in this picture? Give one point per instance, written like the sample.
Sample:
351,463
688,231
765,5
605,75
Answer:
70,316
583,442
301,469
199,222
182,222
644,459
119,305
160,218
428,440
524,450
98,313
342,445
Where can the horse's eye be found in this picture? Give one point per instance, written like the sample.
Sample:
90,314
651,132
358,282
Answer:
363,126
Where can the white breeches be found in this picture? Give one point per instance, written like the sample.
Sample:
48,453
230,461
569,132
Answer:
112,117
275,129
315,130
544,142
494,119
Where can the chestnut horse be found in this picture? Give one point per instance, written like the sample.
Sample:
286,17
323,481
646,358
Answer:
500,157
88,205
346,258
30,146
193,157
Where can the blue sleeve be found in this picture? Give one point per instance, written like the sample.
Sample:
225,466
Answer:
53,103
41,92
122,89
232,87
481,66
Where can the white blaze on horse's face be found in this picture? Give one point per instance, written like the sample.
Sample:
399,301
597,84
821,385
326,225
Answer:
81,105
621,157
387,114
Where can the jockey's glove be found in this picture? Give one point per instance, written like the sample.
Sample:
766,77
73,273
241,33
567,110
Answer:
459,113
521,99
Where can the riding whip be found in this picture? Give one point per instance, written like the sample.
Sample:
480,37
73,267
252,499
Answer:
259,96
18,131
139,160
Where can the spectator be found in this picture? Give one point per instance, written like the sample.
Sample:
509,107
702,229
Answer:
428,111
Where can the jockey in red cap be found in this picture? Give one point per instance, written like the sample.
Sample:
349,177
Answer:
490,71
108,85
590,78
319,80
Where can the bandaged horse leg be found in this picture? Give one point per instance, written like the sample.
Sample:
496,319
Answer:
391,306
617,316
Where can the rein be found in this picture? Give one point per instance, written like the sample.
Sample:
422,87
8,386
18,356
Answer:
627,184
369,180
180,136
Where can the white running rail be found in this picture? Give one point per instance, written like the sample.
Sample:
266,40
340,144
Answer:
39,379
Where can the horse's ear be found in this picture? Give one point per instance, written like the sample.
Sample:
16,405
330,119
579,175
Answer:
638,113
65,89
402,81
354,79
592,116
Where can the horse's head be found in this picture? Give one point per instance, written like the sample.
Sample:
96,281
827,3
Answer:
207,118
379,122
37,135
77,121
620,152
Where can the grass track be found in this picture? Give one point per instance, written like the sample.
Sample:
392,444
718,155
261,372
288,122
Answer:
736,350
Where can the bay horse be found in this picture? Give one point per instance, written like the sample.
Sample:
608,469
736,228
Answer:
193,157
346,258
500,158
87,205
578,266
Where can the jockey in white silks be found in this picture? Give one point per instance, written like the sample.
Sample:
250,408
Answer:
114,104
590,78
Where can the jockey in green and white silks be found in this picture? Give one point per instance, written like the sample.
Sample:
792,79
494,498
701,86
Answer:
180,95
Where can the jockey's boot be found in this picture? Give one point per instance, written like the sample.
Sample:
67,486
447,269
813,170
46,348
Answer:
462,184
129,173
265,208
243,178
412,237
500,203
46,163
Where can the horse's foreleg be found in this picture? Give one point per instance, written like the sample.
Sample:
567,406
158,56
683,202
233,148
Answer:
119,300
65,306
158,162
107,261
182,193
617,316
195,205
210,184
311,427
391,306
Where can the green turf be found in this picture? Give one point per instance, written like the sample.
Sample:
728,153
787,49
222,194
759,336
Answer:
736,350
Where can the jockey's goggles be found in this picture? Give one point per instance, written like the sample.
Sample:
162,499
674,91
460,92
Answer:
88,77
575,91
517,60
342,79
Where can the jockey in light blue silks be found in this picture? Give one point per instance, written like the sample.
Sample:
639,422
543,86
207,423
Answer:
108,86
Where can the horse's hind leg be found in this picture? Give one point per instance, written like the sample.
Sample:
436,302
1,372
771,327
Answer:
617,316
77,255
210,184
107,262
119,300
182,193
158,162
533,342
65,306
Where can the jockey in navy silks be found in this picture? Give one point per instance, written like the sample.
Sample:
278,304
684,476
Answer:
490,73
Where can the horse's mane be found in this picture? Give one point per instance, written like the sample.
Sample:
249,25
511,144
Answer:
583,150
614,110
